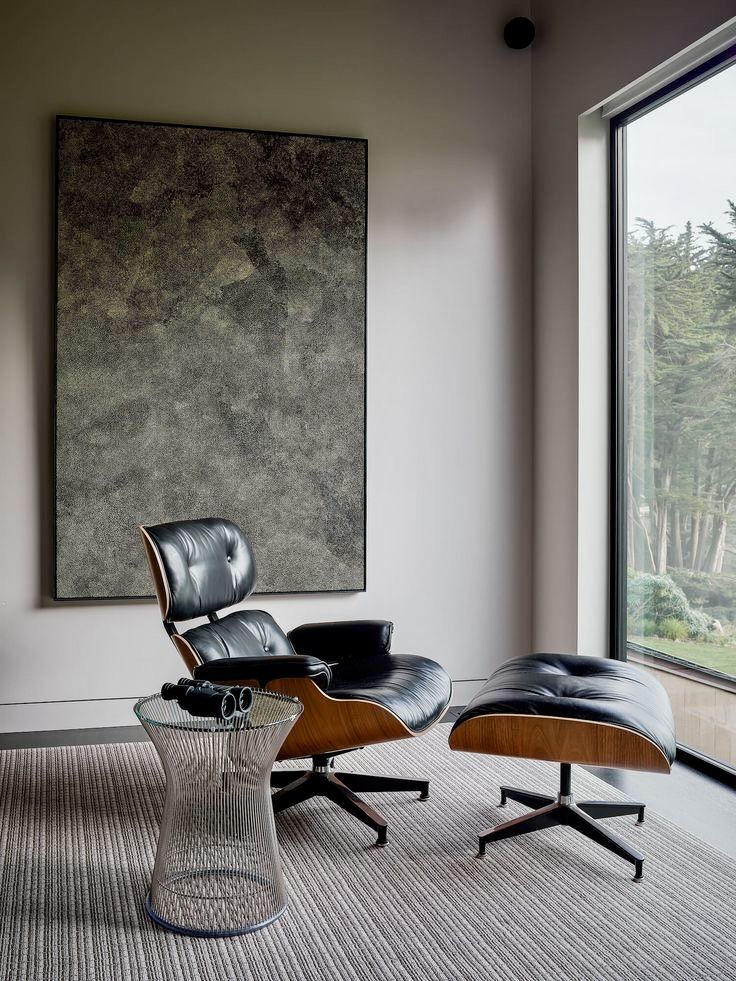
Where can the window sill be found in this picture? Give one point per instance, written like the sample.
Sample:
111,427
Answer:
684,669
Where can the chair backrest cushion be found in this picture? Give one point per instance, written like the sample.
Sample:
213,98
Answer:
206,564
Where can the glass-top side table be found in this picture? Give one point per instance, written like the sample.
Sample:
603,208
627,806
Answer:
217,871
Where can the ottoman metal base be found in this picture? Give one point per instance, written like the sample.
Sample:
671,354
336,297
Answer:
563,810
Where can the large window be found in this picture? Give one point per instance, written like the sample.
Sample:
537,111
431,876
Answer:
675,168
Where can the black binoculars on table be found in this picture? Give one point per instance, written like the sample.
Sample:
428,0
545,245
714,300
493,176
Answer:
208,701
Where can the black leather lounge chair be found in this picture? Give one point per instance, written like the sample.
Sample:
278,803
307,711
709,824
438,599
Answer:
354,690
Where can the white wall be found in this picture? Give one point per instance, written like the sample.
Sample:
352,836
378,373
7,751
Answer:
585,52
445,108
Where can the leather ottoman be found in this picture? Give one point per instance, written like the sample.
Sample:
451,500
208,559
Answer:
570,709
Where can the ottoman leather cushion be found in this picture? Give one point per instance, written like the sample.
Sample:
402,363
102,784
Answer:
576,687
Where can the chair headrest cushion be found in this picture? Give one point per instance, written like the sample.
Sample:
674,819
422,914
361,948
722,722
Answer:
208,565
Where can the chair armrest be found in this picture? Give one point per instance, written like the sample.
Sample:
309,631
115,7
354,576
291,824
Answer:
334,642
270,667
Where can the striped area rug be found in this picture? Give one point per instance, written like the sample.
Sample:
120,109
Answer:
78,830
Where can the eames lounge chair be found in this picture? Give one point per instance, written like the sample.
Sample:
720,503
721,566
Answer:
355,692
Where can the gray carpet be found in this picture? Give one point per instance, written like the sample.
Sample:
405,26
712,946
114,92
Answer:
78,832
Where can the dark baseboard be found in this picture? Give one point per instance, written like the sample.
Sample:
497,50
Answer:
704,764
72,737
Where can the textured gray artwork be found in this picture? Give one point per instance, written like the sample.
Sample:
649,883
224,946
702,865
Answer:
210,349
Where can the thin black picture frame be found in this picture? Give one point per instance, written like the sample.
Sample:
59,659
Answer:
57,120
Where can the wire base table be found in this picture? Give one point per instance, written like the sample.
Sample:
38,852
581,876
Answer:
217,871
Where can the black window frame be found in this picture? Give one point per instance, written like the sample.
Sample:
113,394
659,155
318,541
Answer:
617,144
618,647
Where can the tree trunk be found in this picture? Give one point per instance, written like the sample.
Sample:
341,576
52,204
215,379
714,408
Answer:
721,551
676,560
717,542
639,532
632,552
663,518
705,496
696,519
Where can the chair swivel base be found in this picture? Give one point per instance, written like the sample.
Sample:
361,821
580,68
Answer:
563,810
323,781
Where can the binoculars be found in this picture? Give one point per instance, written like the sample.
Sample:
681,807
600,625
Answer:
208,701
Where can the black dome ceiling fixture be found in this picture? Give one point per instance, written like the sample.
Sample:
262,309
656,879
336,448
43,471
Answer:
519,33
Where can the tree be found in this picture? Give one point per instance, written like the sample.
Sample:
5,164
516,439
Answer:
681,396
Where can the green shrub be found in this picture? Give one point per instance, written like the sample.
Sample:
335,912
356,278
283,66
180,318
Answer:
650,629
698,625
674,629
656,598
659,600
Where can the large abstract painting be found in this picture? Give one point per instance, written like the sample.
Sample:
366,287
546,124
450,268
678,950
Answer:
210,349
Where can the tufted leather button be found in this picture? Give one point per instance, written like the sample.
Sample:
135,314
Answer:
229,558
266,648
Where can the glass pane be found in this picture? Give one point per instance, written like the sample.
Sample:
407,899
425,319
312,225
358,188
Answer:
680,443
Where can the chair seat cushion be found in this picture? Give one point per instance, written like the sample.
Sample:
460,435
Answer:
414,688
574,687
244,633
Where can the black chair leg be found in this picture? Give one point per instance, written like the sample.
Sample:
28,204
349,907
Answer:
297,791
608,809
545,817
341,795
323,782
525,797
589,827
282,778
294,787
368,783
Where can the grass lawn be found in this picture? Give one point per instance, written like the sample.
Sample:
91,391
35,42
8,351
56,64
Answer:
709,655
